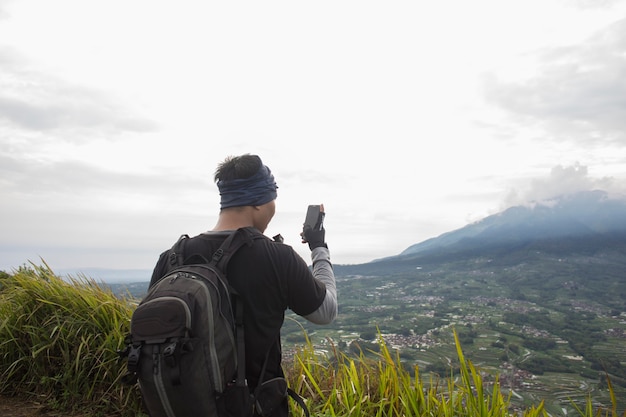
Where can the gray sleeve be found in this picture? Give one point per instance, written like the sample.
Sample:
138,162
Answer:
323,272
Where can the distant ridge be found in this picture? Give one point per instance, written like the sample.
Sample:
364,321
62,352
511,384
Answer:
585,222
108,275
590,213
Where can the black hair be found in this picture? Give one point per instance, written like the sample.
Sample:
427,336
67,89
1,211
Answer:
236,167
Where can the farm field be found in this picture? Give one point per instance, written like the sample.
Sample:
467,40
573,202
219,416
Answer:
527,344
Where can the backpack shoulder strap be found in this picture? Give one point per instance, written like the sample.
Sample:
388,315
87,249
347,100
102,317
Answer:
176,253
240,237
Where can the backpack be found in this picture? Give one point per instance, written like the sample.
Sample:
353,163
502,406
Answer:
186,342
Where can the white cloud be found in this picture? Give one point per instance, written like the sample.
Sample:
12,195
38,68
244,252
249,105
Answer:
563,180
407,120
578,90
36,101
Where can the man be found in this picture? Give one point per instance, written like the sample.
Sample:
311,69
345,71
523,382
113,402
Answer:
269,276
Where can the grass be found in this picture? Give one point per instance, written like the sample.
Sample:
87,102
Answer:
59,340
380,385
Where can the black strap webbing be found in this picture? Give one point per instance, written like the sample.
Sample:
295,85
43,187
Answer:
220,259
241,348
298,399
177,252
240,237
294,395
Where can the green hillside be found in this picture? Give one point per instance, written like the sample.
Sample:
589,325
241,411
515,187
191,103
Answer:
549,318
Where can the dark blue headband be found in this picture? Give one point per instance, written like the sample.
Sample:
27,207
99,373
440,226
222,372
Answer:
253,191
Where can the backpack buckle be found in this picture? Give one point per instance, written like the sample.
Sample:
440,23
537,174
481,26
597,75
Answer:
134,352
217,255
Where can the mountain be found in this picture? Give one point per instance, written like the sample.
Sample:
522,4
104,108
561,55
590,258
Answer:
582,223
578,215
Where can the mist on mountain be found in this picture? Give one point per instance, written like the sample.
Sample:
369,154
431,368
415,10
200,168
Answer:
590,214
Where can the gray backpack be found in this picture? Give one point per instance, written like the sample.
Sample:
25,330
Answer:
185,346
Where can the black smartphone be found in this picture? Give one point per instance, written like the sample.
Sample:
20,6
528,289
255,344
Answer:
314,217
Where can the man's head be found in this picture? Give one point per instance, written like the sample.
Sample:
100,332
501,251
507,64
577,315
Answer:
243,181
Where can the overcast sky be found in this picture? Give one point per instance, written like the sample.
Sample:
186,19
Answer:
407,119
